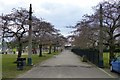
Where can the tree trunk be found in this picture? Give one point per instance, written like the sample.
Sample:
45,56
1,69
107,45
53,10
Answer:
112,48
19,47
112,56
40,48
93,44
50,49
54,48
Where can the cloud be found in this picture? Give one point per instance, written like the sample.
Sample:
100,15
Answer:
60,13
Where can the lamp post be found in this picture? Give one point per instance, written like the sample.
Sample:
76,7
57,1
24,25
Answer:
101,39
30,37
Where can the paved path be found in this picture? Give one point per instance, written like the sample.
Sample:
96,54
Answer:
65,65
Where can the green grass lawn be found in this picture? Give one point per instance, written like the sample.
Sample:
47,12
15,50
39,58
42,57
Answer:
9,69
0,66
106,58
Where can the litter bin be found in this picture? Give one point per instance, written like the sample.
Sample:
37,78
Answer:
21,62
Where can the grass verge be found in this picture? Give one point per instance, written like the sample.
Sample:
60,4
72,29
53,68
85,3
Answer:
106,58
9,69
0,66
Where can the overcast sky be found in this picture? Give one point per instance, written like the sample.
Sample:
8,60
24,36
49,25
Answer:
60,13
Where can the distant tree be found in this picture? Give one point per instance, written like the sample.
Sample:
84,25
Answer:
42,34
58,40
87,30
86,33
15,26
111,22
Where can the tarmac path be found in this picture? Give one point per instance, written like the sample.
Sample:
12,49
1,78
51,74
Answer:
66,65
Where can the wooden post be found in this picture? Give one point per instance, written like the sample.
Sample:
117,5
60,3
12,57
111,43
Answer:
101,39
3,47
30,37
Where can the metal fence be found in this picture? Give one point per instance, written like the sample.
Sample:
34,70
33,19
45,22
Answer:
91,54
